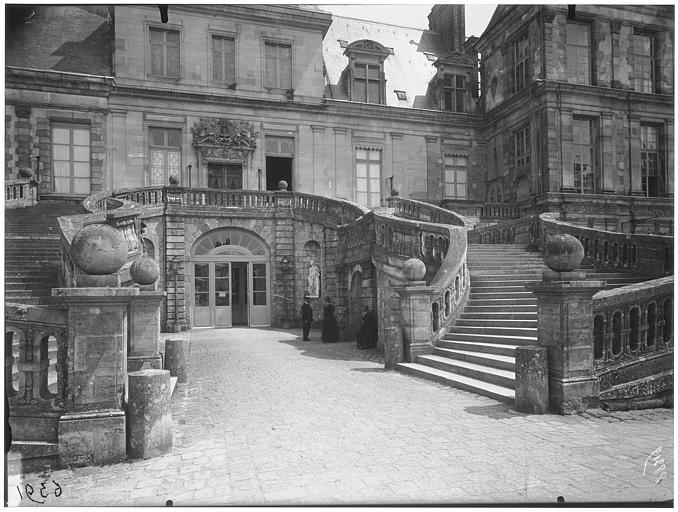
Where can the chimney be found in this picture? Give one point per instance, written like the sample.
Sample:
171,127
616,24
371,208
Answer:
448,20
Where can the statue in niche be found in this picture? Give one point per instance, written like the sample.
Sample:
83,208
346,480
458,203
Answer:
313,280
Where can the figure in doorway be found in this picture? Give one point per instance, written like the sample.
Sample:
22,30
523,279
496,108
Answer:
313,280
306,318
367,334
330,332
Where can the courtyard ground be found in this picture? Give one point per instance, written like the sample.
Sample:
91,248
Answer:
266,419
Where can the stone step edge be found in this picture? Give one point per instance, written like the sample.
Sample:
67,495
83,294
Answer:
478,387
482,355
498,372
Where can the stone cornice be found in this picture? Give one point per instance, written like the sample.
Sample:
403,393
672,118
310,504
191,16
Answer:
270,14
57,81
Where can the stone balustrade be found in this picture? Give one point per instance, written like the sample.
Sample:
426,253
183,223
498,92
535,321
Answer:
418,210
632,321
20,193
646,255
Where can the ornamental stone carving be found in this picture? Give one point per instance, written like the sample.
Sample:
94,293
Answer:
563,253
99,249
212,131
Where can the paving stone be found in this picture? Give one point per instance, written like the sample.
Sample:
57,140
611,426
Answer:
265,420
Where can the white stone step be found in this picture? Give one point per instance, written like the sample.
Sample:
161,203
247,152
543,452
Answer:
491,360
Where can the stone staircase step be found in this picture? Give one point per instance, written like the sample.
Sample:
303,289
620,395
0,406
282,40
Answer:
479,347
459,381
522,301
490,288
491,338
500,362
490,322
494,376
489,329
500,314
484,307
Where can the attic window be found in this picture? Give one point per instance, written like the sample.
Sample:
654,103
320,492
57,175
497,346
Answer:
430,56
402,95
342,43
367,83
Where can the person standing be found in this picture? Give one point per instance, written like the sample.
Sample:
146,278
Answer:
330,332
367,334
306,318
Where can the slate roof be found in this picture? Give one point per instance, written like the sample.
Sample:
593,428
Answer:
408,69
36,38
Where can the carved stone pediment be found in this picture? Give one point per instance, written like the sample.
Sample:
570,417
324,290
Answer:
225,134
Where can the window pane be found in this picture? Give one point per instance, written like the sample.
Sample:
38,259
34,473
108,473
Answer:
285,75
217,74
157,61
373,92
374,185
449,190
360,70
374,155
81,170
361,154
61,168
373,72
174,137
61,152
156,35
449,175
271,77
360,91
361,170
81,153
361,185
461,176
201,270
62,185
172,36
81,186
81,137
61,136
375,199
461,191
361,198
173,61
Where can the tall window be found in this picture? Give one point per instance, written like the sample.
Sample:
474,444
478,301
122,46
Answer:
367,81
643,63
71,159
522,144
368,172
454,91
165,155
278,66
456,169
165,51
223,59
585,155
520,68
578,53
649,160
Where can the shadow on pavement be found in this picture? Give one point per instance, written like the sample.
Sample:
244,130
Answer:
496,411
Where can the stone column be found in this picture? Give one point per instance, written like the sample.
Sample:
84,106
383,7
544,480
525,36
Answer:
415,311
149,414
565,326
93,430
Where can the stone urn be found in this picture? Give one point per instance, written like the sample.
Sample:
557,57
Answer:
25,172
282,185
99,249
173,180
144,271
414,269
563,253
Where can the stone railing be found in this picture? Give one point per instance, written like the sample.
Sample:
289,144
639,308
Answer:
20,193
482,210
632,321
428,306
417,210
646,255
515,231
336,211
33,335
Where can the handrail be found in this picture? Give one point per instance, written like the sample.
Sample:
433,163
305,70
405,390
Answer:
632,322
418,210
20,193
33,336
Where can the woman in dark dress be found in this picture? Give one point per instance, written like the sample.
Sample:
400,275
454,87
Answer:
330,332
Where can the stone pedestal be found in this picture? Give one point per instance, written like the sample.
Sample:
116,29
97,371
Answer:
393,347
93,430
91,438
144,341
415,311
532,380
149,415
176,358
565,329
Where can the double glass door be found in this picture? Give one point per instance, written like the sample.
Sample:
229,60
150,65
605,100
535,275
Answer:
228,293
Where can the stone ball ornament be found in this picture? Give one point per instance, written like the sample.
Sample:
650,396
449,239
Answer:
563,253
282,185
414,269
99,249
144,271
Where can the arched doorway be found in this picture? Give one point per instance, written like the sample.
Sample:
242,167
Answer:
231,284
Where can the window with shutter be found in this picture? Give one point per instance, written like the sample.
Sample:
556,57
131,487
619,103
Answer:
165,52
71,159
165,152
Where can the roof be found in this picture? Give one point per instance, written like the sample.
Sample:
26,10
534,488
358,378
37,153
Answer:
36,38
407,69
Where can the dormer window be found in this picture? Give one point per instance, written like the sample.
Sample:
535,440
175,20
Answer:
366,71
402,95
454,92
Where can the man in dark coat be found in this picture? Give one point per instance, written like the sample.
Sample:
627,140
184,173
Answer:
367,335
306,318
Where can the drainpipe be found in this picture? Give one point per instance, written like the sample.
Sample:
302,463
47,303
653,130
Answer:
628,120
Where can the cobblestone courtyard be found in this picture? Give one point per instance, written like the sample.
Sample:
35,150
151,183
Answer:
267,419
